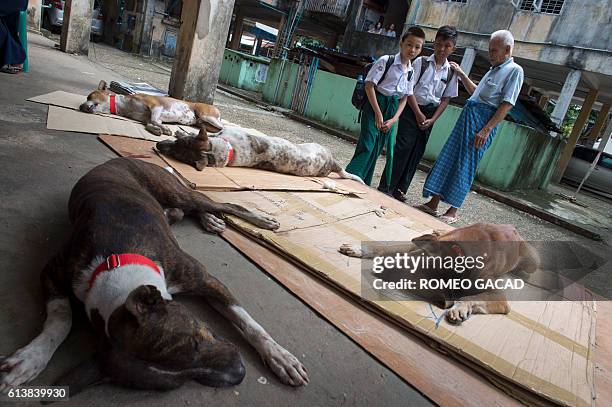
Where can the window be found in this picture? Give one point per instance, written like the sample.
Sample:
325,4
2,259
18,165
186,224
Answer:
458,1
541,6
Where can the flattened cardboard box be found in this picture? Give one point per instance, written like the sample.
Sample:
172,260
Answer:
541,347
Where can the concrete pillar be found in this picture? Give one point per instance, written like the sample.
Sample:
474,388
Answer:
34,14
77,26
576,130
468,60
146,36
569,87
237,33
353,12
199,49
280,38
599,123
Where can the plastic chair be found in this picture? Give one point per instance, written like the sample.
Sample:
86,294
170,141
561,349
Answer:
23,37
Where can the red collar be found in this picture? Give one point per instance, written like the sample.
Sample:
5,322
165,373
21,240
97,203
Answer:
117,260
113,107
230,151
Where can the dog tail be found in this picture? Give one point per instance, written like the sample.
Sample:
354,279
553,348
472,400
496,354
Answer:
346,175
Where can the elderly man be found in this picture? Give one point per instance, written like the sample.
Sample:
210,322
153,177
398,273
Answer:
452,175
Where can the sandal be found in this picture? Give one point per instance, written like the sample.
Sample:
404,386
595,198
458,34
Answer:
10,69
449,220
426,209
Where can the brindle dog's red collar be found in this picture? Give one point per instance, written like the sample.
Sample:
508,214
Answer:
116,260
113,107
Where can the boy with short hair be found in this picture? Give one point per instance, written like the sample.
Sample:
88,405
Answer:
434,85
386,101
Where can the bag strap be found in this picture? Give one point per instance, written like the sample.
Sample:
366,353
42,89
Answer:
424,67
388,64
449,76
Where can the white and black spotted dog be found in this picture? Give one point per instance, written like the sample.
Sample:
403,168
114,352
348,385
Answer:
236,147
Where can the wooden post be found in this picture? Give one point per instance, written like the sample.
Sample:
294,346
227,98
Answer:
600,122
576,130
237,32
199,50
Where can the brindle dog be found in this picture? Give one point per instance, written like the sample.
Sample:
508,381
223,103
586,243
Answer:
124,264
236,147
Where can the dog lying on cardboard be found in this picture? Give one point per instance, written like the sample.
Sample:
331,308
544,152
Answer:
124,265
504,251
153,111
236,147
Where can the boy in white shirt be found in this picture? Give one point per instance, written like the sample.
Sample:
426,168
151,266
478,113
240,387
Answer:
386,100
434,84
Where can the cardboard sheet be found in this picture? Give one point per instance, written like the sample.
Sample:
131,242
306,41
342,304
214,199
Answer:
60,118
540,351
444,380
61,99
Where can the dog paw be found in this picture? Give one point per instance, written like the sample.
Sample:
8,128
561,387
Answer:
286,366
151,128
266,222
174,215
211,223
166,130
350,250
23,366
459,313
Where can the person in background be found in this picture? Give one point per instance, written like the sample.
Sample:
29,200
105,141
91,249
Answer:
12,54
390,32
377,29
434,85
386,101
453,172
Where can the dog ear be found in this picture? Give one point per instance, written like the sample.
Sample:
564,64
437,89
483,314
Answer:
142,300
102,85
433,236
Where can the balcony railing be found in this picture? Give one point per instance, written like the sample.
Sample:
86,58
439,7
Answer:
336,7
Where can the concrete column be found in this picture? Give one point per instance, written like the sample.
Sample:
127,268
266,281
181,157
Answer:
280,38
199,49
34,14
569,87
468,60
353,12
237,33
600,122
146,36
77,26
576,130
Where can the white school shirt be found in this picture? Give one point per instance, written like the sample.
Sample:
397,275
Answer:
396,83
501,84
432,85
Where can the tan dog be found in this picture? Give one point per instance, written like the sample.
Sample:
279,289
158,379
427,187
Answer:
478,239
153,111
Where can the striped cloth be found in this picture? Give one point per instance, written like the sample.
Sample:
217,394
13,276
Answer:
455,168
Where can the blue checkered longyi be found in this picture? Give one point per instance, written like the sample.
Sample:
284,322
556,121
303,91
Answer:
455,168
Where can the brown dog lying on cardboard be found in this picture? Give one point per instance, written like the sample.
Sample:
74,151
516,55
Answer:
153,111
504,251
